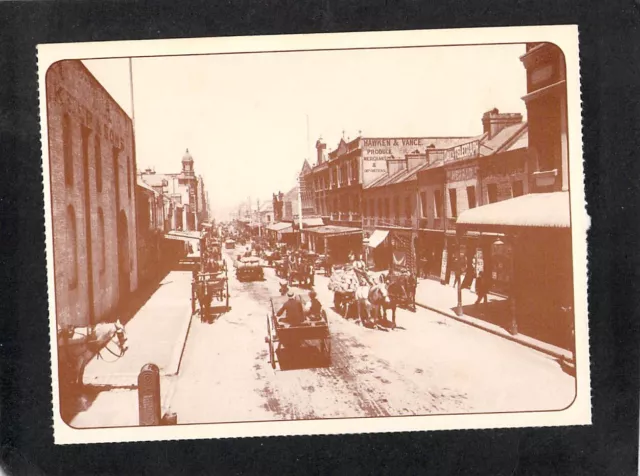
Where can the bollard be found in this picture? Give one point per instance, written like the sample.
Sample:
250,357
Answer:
170,419
149,395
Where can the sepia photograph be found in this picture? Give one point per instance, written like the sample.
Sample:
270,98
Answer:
315,234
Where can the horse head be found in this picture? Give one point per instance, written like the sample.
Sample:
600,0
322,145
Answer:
379,294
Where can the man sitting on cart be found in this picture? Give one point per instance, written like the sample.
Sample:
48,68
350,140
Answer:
293,309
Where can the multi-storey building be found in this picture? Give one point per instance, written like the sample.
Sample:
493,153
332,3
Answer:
186,191
531,251
92,172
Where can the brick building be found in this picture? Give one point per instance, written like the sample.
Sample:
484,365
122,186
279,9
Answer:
531,248
486,169
92,172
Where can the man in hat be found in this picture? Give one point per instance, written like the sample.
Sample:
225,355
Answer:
293,310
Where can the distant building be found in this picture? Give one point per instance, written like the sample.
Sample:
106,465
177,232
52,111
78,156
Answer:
92,172
186,191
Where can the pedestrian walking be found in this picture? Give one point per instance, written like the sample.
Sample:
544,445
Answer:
482,288
457,269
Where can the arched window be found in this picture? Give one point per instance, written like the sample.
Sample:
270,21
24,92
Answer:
67,150
128,165
101,241
98,161
72,246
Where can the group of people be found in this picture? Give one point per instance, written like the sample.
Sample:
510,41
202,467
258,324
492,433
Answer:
483,284
296,313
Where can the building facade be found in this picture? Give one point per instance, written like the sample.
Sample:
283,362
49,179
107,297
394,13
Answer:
92,174
186,192
531,250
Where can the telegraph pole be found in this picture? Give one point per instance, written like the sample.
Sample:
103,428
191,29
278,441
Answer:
259,218
300,207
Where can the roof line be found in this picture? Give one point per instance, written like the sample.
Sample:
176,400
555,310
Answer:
512,139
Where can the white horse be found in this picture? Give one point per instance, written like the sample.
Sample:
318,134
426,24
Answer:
371,299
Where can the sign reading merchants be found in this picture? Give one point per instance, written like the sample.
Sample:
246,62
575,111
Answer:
376,152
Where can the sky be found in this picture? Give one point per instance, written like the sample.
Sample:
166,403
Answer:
250,120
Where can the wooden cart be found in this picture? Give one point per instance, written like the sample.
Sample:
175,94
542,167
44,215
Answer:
207,286
313,328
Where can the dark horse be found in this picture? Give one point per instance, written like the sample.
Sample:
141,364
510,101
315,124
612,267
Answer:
402,292
301,272
205,290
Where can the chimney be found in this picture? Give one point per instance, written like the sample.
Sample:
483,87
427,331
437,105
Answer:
493,121
320,148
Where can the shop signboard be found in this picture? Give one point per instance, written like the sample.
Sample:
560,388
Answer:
377,151
501,262
468,150
479,261
443,268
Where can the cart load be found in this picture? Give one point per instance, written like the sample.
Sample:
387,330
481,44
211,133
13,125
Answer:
249,268
343,280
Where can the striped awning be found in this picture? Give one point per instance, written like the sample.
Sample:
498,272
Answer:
377,237
536,210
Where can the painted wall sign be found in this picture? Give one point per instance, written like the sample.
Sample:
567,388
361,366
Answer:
462,151
461,174
376,152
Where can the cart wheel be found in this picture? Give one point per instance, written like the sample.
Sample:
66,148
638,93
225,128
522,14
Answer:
326,347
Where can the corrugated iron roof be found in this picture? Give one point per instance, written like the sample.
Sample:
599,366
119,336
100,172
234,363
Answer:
501,139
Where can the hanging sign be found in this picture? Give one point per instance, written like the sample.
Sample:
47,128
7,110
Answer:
479,261
443,268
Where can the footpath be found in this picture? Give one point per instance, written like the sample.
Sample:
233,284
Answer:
156,334
443,299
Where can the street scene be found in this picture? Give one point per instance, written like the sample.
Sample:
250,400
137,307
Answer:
253,240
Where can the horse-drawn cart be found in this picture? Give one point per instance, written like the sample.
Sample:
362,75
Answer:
281,333
249,268
207,286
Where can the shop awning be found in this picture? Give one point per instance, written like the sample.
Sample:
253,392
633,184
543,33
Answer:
536,210
183,235
377,237
311,221
280,226
329,231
